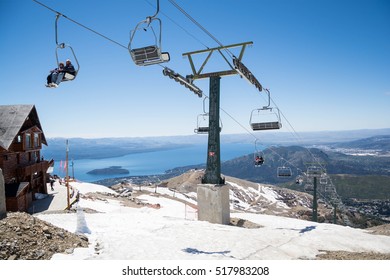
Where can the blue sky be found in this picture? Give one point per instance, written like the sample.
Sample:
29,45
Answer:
327,64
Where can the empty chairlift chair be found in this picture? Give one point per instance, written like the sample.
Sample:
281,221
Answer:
151,53
202,126
203,121
324,179
265,118
309,187
314,171
284,172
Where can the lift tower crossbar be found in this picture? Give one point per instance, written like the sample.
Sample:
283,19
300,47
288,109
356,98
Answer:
197,74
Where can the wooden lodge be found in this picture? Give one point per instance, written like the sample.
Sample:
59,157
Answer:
23,167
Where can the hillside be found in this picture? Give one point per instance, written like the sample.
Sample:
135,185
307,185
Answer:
298,158
377,144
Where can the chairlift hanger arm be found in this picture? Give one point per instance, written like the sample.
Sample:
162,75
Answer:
63,45
204,105
58,15
157,11
269,98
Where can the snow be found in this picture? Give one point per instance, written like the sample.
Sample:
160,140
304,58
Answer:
130,233
117,232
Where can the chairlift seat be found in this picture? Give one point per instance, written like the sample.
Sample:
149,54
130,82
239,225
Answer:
309,187
68,77
202,130
330,189
266,125
323,181
314,171
284,172
258,164
149,55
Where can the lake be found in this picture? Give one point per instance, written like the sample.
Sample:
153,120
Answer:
150,163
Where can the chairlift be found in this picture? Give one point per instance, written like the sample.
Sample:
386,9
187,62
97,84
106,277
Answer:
202,126
202,122
299,180
330,189
61,46
324,179
150,54
314,171
258,156
284,172
265,118
309,187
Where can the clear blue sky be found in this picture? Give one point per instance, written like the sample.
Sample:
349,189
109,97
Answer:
327,64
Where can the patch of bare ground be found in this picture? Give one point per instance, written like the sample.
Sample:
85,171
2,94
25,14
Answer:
343,255
381,230
243,223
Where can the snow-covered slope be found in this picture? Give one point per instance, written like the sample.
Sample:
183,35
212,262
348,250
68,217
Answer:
170,231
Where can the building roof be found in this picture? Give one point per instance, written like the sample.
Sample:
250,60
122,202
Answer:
14,119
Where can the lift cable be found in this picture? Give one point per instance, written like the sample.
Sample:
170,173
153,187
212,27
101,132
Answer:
178,25
254,136
201,27
82,25
298,137
173,2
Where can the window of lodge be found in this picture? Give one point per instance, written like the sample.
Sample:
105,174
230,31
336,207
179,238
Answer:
36,140
28,140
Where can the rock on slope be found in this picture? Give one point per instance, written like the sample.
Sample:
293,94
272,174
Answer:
24,237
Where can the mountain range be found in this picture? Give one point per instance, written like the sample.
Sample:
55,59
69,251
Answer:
96,148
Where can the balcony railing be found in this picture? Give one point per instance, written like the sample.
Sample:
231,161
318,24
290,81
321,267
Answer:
31,169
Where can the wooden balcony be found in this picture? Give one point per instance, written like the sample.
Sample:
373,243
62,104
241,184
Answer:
31,169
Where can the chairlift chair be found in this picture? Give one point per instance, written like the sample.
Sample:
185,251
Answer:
258,159
150,54
202,121
314,171
299,180
202,126
284,172
330,189
323,179
309,187
265,118
61,46
258,156
68,76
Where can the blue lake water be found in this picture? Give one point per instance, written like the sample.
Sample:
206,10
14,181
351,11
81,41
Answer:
150,163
